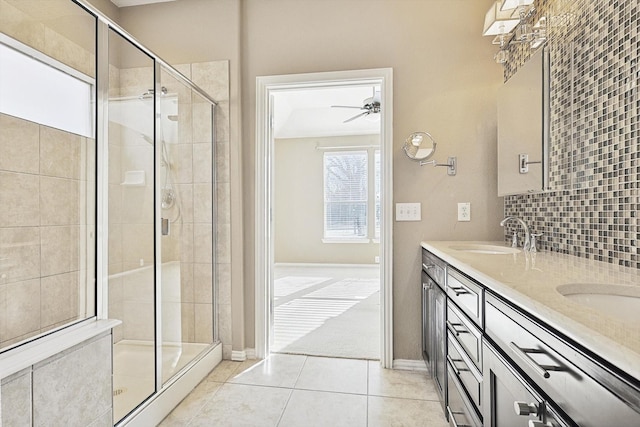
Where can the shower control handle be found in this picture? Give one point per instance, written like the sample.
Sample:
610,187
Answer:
164,222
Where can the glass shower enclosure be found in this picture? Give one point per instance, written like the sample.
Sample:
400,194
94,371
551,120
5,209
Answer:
160,222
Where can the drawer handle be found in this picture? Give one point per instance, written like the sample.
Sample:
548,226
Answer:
452,327
428,267
456,370
453,418
523,353
459,290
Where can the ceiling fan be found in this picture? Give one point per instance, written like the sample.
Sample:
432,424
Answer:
370,106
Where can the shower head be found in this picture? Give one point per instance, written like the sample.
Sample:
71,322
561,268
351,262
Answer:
150,92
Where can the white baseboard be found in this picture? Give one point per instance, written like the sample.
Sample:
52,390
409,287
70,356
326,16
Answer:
238,356
251,353
409,365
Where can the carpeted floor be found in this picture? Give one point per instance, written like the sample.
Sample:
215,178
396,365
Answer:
322,311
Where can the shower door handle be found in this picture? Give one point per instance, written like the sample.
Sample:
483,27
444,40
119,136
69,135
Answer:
164,223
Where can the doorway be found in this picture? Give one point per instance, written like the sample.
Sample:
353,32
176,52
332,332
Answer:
342,282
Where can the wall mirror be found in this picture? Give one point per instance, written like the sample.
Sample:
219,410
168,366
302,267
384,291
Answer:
419,146
523,129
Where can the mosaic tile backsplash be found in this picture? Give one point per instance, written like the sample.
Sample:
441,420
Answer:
594,153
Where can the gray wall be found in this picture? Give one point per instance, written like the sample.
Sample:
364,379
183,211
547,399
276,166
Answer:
444,83
299,204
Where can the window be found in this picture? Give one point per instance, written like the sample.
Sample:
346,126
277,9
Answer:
377,181
345,195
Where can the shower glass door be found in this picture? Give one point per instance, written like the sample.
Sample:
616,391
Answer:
186,192
131,223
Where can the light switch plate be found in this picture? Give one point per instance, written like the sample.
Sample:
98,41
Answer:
408,212
464,211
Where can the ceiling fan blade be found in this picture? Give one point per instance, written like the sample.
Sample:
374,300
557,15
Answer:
347,106
357,116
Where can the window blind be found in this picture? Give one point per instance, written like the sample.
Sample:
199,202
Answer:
345,194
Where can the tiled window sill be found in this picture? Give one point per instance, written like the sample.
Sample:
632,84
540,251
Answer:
41,349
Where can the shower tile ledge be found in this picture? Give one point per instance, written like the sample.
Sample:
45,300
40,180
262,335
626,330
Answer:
41,349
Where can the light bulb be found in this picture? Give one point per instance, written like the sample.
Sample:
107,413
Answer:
501,57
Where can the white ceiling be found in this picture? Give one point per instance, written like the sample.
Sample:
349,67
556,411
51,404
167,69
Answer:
305,113
127,3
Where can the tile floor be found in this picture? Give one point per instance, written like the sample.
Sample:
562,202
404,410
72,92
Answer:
291,391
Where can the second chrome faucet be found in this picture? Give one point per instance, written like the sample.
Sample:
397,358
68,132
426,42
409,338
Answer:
527,235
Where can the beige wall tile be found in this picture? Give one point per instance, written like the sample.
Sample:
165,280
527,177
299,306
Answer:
139,285
57,250
213,78
138,323
59,201
222,162
185,200
188,322
19,200
19,254
21,26
202,205
181,159
186,282
202,120
202,243
75,389
202,162
203,283
115,245
222,122
223,274
185,119
224,323
223,208
223,244
59,153
16,400
58,301
137,243
19,145
137,204
22,309
187,244
204,323
68,52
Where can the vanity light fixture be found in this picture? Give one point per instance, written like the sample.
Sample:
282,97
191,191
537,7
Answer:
507,20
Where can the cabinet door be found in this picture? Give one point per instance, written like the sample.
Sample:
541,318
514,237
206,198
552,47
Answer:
504,390
509,400
426,312
439,353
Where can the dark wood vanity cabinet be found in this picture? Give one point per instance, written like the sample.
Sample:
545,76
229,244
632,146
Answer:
506,368
434,306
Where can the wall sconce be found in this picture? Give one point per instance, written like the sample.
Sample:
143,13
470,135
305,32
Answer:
507,21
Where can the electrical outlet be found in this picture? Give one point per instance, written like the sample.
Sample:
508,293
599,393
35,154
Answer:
408,212
464,211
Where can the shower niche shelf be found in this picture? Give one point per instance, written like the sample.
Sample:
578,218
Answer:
133,179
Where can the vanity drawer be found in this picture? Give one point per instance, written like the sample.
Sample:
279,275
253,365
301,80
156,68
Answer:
589,393
466,333
464,370
466,294
434,267
460,410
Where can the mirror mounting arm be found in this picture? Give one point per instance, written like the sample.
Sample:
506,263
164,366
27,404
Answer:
452,165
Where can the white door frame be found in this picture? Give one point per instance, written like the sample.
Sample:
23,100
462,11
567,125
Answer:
267,86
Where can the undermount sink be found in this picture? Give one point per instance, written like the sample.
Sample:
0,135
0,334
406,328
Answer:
618,301
480,248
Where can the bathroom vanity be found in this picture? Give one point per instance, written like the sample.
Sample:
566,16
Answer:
537,339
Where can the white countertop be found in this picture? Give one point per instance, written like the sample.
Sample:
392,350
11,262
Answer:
530,280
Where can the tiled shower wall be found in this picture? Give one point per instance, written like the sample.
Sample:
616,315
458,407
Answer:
47,194
592,210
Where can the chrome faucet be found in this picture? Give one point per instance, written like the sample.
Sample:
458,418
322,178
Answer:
527,237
